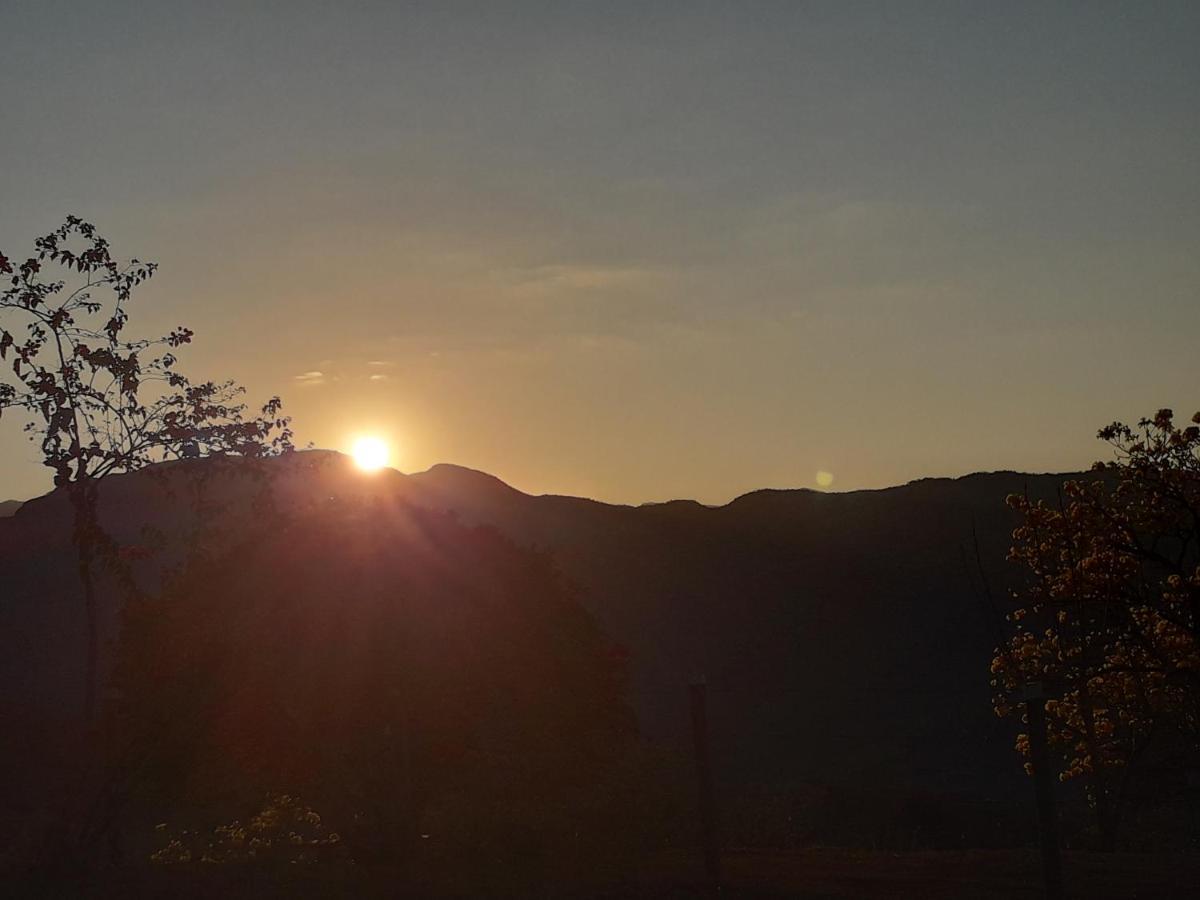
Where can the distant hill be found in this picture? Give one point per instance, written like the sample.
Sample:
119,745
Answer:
845,637
8,507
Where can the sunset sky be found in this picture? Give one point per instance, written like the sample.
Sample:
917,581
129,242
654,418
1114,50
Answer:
639,251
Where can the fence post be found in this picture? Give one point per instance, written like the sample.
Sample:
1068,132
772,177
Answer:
708,829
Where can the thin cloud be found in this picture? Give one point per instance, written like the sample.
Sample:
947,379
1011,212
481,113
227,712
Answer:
578,278
310,378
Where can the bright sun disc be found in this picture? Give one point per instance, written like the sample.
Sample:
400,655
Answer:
370,453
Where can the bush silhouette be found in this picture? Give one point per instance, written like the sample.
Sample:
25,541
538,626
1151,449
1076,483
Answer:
390,665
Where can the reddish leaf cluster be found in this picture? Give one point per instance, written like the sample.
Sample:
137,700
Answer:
1108,618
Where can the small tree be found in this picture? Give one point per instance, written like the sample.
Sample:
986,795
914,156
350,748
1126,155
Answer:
1108,618
101,402
399,670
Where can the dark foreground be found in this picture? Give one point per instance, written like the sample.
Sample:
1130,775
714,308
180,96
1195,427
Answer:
815,873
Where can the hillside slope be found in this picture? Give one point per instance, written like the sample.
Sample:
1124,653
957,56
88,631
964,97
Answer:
844,637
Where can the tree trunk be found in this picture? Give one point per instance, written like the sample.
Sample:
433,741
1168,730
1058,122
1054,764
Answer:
1105,818
1043,783
89,608
83,499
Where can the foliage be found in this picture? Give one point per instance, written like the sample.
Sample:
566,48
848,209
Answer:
100,401
390,664
1107,621
284,830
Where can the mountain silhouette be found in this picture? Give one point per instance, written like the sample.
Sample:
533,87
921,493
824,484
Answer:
844,637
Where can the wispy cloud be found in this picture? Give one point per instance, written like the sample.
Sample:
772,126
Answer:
577,278
309,378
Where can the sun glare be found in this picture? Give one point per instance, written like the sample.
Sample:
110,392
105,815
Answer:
370,453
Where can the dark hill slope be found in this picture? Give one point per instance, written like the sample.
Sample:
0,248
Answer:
845,637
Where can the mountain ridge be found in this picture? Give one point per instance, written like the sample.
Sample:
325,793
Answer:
844,636
444,470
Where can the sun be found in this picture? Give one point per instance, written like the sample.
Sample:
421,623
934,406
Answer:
370,453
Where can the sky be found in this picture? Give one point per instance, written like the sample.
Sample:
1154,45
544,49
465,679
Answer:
639,251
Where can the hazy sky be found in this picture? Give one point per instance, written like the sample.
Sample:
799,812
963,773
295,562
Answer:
639,251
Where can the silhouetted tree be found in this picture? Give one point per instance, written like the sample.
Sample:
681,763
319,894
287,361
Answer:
101,402
1108,619
401,672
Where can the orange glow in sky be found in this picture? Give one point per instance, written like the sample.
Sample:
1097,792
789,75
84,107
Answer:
638,256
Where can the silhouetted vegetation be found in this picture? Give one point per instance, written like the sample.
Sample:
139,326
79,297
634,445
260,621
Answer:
99,403
1106,625
416,681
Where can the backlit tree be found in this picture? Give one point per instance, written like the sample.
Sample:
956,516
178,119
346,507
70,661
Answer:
1107,621
99,401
